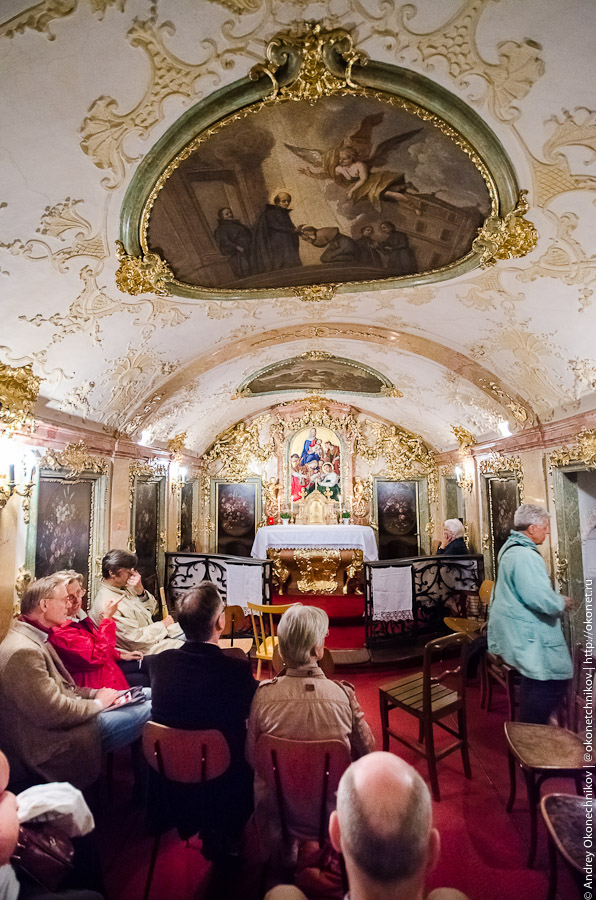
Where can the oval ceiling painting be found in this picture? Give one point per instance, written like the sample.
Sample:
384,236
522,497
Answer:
319,371
344,190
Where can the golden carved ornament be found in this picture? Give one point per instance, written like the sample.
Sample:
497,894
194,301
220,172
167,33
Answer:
176,444
274,493
22,582
501,466
325,60
76,458
513,236
561,570
406,455
145,274
464,437
316,354
583,451
315,413
19,389
318,570
517,410
313,293
390,391
238,449
143,468
361,495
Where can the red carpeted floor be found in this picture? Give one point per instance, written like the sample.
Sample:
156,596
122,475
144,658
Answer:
483,847
346,617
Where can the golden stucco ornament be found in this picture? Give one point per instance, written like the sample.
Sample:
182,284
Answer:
310,65
513,236
76,458
582,450
145,274
19,389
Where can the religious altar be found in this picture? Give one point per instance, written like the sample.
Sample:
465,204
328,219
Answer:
316,559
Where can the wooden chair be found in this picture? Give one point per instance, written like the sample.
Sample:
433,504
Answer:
495,671
263,628
184,757
546,751
427,697
326,663
303,776
565,819
474,611
236,621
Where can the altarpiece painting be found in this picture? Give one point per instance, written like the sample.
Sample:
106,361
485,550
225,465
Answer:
314,463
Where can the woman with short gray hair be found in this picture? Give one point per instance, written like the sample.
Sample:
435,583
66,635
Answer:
453,543
303,705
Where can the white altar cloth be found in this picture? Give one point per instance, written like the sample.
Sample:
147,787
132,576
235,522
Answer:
336,537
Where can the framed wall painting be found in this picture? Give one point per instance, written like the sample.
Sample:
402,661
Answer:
147,528
315,456
397,514
502,499
236,512
188,517
66,529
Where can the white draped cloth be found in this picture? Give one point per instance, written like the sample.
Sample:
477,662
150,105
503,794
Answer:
244,584
392,594
334,537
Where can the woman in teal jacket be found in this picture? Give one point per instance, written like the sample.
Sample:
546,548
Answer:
525,618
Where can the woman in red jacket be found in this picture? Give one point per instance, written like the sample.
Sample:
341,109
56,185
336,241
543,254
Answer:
89,651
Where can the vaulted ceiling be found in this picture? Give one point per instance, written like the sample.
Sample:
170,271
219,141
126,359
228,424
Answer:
89,86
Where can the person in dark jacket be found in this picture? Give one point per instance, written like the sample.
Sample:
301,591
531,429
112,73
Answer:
198,686
275,238
453,543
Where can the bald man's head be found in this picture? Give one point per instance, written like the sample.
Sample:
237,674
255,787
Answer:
384,814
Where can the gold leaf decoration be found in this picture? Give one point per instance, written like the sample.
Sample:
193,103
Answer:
238,448
76,458
501,466
583,450
313,293
19,389
513,236
465,438
406,455
142,274
325,61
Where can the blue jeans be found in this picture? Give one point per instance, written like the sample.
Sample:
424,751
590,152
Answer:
122,727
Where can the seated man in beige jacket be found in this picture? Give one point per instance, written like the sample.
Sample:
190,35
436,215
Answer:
135,628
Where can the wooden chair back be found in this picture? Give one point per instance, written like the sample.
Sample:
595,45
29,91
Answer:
264,629
485,591
236,621
303,776
437,656
184,756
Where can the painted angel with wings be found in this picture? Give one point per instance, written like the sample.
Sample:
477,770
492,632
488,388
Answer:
353,163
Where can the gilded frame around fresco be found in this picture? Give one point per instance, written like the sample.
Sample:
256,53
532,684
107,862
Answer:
99,493
304,68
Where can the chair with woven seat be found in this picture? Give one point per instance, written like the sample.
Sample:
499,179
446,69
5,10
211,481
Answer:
263,626
473,611
541,752
565,818
431,698
183,757
303,776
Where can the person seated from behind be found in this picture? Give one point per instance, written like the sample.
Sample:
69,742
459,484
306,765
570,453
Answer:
135,628
198,686
383,828
50,729
303,704
89,651
453,543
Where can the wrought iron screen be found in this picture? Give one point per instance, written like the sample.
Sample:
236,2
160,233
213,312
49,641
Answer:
186,570
435,580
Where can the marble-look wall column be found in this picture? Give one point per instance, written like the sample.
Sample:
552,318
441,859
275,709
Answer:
120,505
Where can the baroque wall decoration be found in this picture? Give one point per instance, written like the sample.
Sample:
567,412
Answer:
19,389
351,176
583,450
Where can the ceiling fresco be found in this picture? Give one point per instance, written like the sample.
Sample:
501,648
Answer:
511,342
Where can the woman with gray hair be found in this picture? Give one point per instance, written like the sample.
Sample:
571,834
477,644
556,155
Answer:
453,543
303,705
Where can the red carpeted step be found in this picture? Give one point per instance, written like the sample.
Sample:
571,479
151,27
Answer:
346,617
